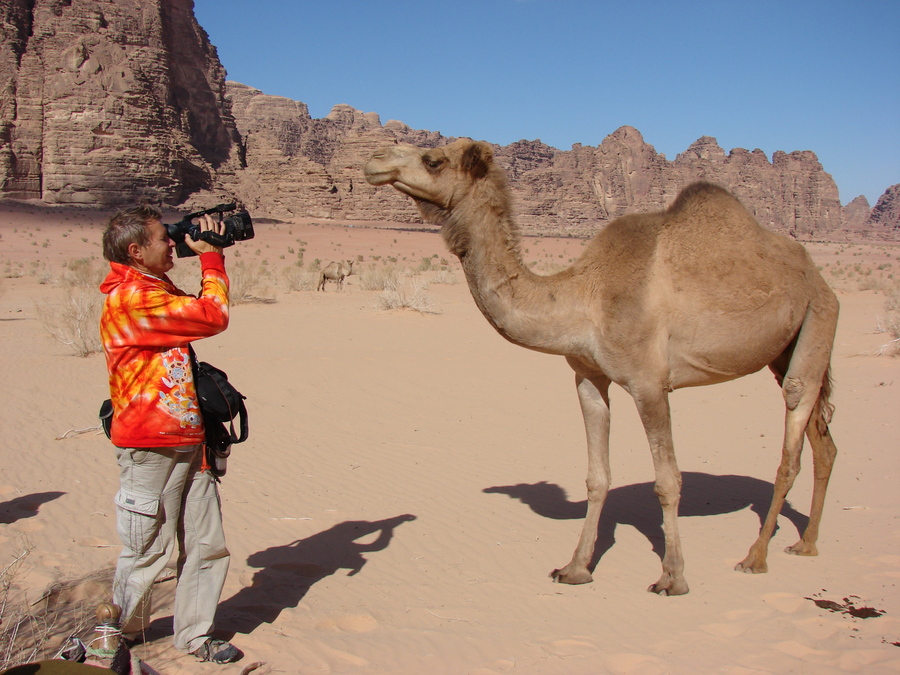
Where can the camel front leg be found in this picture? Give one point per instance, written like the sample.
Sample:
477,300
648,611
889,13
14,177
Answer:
655,414
594,397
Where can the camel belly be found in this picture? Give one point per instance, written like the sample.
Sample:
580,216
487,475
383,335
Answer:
716,347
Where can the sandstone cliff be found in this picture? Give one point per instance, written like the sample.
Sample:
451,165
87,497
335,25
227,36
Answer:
885,216
105,102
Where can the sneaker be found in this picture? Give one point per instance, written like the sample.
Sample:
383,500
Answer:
217,651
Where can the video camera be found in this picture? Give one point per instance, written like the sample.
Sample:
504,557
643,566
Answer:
238,227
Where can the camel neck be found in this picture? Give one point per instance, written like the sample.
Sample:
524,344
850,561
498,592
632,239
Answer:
527,309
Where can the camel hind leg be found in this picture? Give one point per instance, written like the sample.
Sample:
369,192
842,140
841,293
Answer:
824,452
806,386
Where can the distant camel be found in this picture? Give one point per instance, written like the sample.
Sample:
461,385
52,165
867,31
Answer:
335,272
697,294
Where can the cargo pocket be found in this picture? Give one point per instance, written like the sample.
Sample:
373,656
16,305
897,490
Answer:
137,520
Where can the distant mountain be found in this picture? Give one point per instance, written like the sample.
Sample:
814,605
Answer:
104,103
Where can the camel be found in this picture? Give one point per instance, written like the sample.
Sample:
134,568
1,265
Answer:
335,271
697,294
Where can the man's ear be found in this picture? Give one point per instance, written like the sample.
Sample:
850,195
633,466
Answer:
135,253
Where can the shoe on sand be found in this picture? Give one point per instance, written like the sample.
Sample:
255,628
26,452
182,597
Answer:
217,651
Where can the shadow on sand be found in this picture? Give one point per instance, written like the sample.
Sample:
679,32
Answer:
26,506
288,572
702,494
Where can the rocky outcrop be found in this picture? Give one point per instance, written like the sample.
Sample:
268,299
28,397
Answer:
578,188
855,214
103,103
300,166
884,218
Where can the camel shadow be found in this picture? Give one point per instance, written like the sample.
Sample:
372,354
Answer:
26,506
289,571
702,494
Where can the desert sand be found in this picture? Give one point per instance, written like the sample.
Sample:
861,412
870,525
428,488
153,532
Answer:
411,479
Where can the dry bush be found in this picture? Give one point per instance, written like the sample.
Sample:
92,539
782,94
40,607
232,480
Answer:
250,282
444,277
297,279
378,278
83,273
410,293
889,322
75,320
34,631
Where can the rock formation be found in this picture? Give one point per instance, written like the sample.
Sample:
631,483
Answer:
885,216
105,102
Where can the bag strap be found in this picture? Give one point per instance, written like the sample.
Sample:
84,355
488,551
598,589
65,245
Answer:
245,426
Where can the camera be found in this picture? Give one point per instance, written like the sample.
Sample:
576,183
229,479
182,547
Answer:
237,227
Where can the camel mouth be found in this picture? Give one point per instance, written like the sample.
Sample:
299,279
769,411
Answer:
376,177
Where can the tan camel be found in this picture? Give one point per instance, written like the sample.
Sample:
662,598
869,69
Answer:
336,272
697,294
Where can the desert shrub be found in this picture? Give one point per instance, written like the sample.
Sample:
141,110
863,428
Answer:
378,278
410,293
297,279
75,319
444,277
250,282
889,322
83,273
36,631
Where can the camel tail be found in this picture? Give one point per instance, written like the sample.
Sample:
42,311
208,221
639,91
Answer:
824,409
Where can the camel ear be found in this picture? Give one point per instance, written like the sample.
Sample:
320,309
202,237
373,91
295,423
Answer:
477,159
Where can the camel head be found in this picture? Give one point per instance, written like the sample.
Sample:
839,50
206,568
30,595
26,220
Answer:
438,179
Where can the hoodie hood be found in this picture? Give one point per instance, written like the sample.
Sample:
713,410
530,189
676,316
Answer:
120,274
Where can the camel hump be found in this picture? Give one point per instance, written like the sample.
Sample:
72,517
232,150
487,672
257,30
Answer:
703,210
700,191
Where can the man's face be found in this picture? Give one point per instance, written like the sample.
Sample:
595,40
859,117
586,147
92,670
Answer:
156,256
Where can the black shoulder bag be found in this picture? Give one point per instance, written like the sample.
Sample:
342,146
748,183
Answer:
220,403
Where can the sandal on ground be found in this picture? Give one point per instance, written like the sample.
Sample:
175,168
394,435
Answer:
217,651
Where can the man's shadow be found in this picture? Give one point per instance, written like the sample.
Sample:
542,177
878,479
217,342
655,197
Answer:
288,572
702,494
26,506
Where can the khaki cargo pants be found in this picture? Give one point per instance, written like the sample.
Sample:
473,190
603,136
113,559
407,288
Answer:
164,501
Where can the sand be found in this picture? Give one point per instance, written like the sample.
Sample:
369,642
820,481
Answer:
411,479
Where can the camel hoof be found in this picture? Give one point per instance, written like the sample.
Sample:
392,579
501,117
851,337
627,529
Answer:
671,588
751,568
574,578
802,548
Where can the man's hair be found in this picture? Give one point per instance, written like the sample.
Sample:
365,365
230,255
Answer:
128,227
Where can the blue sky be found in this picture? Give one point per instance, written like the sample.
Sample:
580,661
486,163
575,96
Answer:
775,75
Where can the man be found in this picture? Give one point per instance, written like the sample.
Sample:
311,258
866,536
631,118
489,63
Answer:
166,496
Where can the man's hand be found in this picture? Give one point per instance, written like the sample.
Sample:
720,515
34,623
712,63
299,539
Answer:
207,222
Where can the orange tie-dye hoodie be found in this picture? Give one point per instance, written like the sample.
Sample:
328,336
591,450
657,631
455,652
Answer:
145,327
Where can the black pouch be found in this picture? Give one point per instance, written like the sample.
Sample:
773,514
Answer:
218,446
106,414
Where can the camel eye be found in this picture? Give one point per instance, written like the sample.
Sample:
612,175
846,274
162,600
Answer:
431,163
